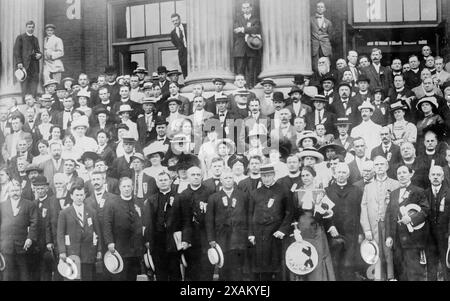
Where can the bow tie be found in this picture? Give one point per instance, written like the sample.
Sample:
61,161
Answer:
161,139
67,111
221,115
319,16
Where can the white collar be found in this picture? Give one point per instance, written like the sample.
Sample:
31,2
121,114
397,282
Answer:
126,199
195,189
255,177
295,175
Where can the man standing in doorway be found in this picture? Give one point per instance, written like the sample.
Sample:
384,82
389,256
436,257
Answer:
321,33
26,56
53,52
179,40
246,58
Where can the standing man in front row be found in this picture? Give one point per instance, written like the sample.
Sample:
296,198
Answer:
246,58
179,40
123,230
78,233
18,224
26,56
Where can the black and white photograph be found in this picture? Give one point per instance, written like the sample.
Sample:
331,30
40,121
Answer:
246,142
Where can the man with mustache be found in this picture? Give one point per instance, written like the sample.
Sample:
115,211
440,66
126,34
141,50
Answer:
368,129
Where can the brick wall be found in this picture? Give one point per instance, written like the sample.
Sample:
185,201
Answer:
85,40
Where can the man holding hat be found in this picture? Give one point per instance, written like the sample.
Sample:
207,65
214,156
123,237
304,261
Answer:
78,234
123,230
41,268
27,54
53,52
227,226
367,129
270,216
163,217
246,58
321,116
18,230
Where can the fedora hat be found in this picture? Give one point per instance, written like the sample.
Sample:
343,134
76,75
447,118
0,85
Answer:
301,257
125,108
366,105
162,69
51,82
2,263
21,74
49,26
70,268
148,260
215,256
278,96
398,106
60,87
40,181
82,121
254,41
174,72
137,156
370,252
269,81
160,121
430,99
337,148
445,86
46,97
344,84
311,153
140,70
295,89
172,99
299,79
113,262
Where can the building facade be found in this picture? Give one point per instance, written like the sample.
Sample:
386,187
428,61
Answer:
101,32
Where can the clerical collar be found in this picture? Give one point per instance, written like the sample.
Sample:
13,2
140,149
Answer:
241,106
430,153
105,102
415,70
165,193
400,90
124,99
29,34
342,185
195,188
363,92
126,198
255,177
409,161
294,175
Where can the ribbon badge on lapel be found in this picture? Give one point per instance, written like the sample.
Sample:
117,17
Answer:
225,201
24,183
171,199
389,156
383,110
44,212
138,210
203,207
442,205
349,111
302,112
233,203
294,187
145,187
259,184
270,204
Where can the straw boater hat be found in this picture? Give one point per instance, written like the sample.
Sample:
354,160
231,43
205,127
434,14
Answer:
148,260
113,262
366,105
215,256
174,72
310,152
268,168
125,108
46,97
70,268
140,70
219,80
269,81
21,74
51,82
343,121
370,252
84,94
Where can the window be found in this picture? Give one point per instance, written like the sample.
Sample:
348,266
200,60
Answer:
392,11
146,19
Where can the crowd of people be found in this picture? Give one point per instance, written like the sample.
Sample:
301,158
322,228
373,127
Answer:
126,165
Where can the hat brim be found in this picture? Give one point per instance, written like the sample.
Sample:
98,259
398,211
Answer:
148,261
338,149
368,258
2,263
108,256
314,154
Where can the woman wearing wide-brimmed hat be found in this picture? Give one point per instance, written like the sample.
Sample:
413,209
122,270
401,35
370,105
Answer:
429,106
402,130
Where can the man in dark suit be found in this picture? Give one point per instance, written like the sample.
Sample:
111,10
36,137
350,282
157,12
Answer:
123,230
112,85
214,184
163,82
121,166
144,185
388,150
219,84
146,123
245,57
321,34
379,76
412,77
321,116
18,226
162,218
78,234
179,40
439,218
344,106
26,56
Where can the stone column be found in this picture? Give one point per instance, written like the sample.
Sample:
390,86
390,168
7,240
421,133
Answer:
287,39
13,16
210,42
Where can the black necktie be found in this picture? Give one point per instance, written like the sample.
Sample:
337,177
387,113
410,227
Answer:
181,36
